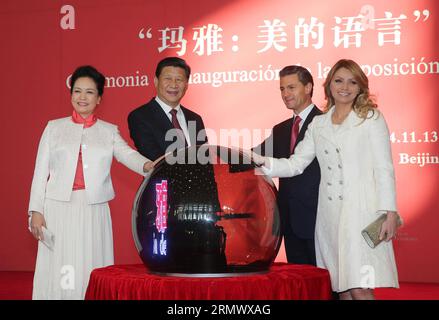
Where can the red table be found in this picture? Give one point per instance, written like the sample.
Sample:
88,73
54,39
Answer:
282,282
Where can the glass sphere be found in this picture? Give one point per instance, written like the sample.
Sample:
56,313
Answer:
206,211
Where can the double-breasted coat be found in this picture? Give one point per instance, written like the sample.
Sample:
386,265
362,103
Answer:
357,185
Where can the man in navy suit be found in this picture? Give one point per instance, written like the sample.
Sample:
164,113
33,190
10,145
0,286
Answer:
150,124
297,197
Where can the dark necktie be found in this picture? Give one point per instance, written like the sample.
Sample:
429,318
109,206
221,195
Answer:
176,124
294,133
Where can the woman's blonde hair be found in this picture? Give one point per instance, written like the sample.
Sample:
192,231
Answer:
363,102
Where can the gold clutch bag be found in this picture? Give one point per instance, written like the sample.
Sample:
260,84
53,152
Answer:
372,232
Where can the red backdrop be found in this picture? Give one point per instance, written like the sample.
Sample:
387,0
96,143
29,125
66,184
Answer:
234,49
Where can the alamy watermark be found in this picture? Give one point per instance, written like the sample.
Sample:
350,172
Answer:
227,146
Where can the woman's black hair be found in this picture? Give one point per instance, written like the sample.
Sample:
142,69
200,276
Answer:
88,72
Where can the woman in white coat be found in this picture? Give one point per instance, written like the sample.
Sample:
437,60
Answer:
351,142
70,191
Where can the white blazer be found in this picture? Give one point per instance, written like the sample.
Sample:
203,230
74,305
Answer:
57,159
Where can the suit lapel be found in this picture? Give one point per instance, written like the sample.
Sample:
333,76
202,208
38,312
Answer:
325,128
189,117
311,115
161,118
161,123
282,150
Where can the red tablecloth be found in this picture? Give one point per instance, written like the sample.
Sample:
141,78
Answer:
282,282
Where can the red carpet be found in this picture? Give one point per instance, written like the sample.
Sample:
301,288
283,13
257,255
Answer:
17,285
410,291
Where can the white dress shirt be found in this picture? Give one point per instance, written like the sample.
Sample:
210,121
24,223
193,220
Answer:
304,114
180,117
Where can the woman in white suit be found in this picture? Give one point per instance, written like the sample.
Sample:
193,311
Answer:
351,142
70,191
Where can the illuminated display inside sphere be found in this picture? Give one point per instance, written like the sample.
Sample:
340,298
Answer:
203,212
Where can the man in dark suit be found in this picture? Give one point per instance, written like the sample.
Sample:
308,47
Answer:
161,126
298,196
151,124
